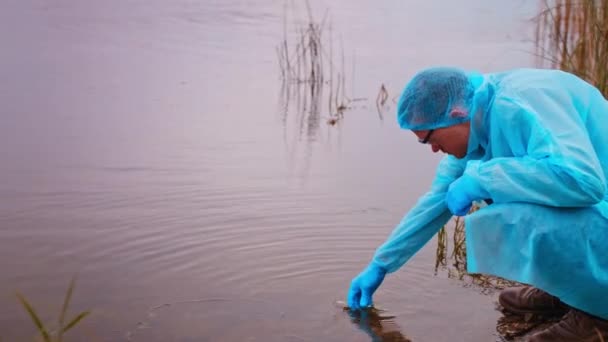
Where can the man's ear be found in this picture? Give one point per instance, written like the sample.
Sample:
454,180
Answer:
459,112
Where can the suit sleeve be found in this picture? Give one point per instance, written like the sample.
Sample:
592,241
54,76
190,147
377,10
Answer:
423,221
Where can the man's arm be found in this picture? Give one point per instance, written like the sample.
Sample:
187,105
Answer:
554,163
423,221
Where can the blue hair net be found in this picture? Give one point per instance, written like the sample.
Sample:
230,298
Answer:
429,98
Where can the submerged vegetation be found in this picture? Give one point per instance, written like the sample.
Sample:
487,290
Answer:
454,258
63,325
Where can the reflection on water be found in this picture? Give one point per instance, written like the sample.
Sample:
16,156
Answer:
312,91
512,327
379,326
304,100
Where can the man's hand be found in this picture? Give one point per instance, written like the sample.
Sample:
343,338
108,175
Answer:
461,194
364,285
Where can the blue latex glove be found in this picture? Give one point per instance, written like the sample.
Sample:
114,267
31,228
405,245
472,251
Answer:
363,286
461,194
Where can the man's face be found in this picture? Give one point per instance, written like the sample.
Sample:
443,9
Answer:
453,140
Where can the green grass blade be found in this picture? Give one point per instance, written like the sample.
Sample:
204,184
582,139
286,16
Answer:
64,308
34,317
75,321
66,302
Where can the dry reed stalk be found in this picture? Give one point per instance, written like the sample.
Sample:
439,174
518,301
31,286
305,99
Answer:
308,63
442,247
573,36
597,331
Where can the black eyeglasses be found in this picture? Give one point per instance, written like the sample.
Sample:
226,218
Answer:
427,137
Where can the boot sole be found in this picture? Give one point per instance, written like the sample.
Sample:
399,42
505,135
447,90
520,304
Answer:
553,312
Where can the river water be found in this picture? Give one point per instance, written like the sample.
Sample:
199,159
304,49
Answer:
148,147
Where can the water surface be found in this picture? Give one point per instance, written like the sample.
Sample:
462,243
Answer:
145,146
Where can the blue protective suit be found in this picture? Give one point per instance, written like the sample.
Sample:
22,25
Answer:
539,147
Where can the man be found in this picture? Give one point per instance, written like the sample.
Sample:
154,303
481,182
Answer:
535,142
